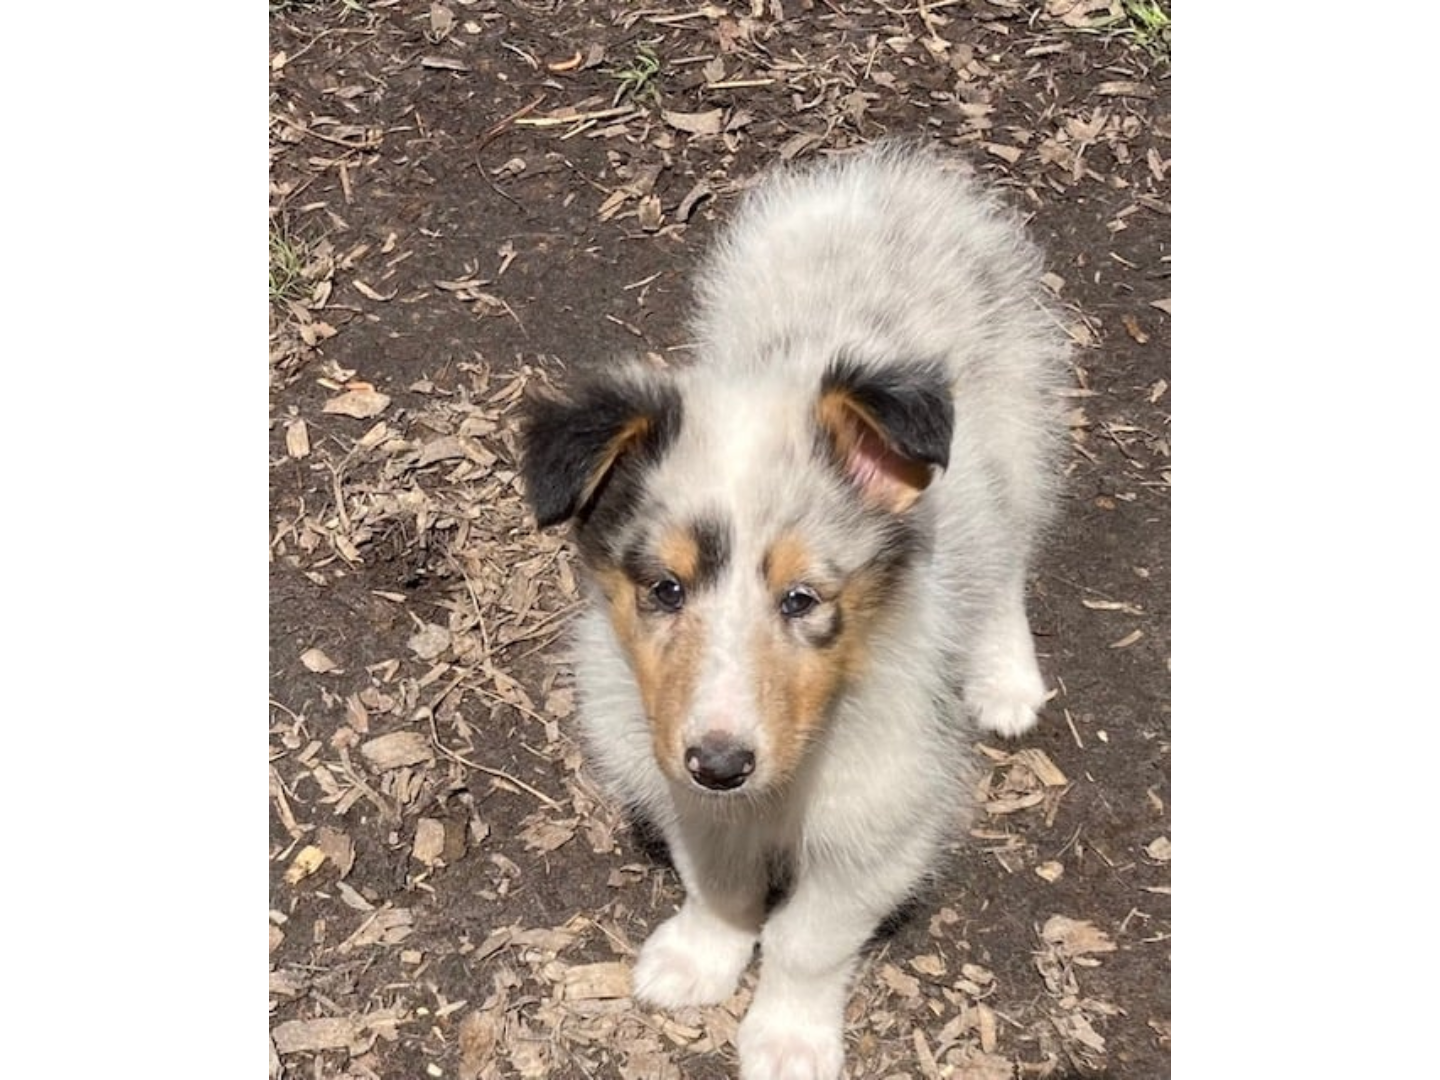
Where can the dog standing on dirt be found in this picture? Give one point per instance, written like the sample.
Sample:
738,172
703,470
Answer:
807,553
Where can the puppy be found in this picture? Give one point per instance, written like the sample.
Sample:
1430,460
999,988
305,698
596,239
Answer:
807,551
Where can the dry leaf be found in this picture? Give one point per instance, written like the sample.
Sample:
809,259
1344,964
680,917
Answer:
307,860
1050,871
905,985
1159,849
388,926
442,19
1011,804
1079,13
701,123
359,404
1075,1026
316,660
1076,937
479,1034
929,965
429,641
544,835
982,1066
365,290
1133,328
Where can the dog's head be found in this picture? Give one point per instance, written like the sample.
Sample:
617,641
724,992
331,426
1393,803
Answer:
749,538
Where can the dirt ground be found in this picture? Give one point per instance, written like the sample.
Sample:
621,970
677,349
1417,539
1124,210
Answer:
472,196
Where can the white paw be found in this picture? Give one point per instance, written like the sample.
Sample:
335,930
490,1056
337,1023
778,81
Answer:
691,960
1008,706
778,1043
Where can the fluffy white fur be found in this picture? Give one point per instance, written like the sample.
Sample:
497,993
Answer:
890,255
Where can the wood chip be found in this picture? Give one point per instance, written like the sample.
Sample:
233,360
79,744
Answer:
1009,154
1128,640
396,750
359,404
597,982
429,841
988,1035
297,438
443,63
326,1033
338,848
1039,763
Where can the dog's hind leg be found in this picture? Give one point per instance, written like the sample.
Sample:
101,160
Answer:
697,956
1003,687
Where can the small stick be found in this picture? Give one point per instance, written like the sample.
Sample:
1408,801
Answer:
495,130
498,774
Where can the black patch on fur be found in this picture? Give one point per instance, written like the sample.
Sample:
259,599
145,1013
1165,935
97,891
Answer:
648,838
910,401
564,441
904,540
712,541
640,566
712,538
899,917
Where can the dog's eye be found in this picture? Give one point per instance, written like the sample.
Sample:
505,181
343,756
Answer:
668,594
800,600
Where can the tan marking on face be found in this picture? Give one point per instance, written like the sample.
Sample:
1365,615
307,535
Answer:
885,477
799,683
664,653
787,562
680,554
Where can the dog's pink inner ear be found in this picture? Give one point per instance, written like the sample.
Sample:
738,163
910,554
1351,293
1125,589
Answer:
884,476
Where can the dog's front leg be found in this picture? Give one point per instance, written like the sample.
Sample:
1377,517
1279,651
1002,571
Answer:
808,951
697,956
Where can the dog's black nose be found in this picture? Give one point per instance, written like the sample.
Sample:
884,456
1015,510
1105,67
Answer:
719,765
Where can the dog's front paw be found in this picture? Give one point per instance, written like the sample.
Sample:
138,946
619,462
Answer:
1008,705
691,960
782,1043
1007,715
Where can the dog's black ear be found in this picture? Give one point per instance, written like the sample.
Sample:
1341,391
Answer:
571,445
889,427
